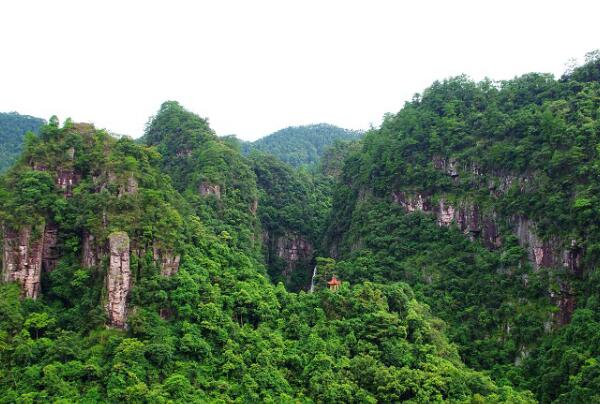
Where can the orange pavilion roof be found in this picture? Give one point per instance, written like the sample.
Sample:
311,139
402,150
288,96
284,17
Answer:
334,281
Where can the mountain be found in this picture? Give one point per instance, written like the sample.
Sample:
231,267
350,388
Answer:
134,273
209,172
13,128
450,255
301,145
483,196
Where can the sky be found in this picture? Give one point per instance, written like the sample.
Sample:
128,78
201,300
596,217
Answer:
253,67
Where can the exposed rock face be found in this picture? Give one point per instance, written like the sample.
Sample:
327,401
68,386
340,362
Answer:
50,254
67,179
548,253
23,259
130,187
566,301
572,259
538,251
206,188
542,253
254,206
167,260
293,249
118,279
125,186
489,232
411,203
449,166
566,306
465,215
445,213
92,253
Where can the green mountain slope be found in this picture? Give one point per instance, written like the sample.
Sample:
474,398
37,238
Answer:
124,281
484,197
13,128
209,171
301,145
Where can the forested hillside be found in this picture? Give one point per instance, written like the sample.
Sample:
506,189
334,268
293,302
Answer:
13,128
483,196
301,145
464,231
134,273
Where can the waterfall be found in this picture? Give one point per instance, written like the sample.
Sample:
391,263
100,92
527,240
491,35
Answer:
312,280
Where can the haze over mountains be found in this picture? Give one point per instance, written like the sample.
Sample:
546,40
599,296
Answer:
188,267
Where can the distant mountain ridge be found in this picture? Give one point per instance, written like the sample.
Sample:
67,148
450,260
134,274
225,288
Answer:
13,127
301,145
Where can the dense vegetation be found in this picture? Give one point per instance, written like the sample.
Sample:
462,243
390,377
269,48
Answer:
13,128
521,150
301,145
464,230
217,330
293,205
209,172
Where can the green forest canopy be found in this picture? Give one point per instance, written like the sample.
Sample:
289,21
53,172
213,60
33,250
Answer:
13,128
426,313
301,145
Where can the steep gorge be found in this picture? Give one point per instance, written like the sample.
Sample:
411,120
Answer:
147,268
151,272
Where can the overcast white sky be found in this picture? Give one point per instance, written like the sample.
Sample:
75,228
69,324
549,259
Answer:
253,67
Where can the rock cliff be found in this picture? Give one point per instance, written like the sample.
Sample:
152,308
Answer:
22,261
118,279
293,249
207,188
550,252
167,260
27,252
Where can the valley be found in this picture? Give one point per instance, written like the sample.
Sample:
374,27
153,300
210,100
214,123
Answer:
186,266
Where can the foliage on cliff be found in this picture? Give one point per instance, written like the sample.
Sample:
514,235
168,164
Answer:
13,128
293,208
209,172
522,149
301,145
291,215
565,368
217,330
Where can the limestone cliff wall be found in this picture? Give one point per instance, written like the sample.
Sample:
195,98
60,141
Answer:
27,252
50,253
22,260
167,260
547,252
466,215
293,248
118,279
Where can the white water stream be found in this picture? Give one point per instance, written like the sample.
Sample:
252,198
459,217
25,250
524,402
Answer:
312,281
